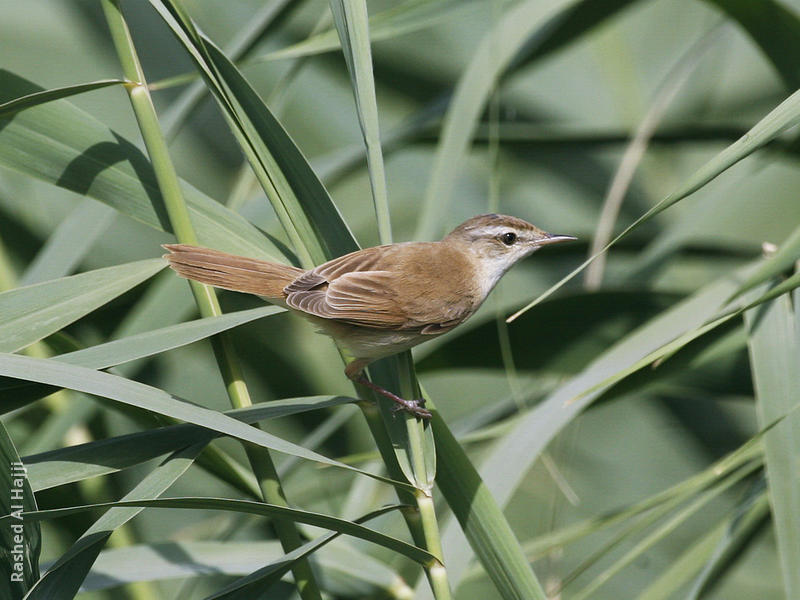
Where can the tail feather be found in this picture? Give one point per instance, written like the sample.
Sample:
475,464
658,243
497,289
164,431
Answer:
231,272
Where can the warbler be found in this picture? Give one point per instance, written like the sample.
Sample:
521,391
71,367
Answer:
383,300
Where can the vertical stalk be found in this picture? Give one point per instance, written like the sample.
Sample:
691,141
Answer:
402,445
436,572
352,23
168,183
425,468
421,520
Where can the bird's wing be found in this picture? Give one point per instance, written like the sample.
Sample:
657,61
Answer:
361,260
369,288
362,298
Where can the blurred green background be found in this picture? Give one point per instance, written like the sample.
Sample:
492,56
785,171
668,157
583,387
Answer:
546,148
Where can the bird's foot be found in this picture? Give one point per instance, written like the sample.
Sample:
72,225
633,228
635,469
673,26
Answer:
415,407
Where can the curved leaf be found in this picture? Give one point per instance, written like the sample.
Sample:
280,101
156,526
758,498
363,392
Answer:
348,572
535,429
561,324
31,313
781,118
142,345
64,578
10,107
253,508
60,144
92,459
302,204
122,390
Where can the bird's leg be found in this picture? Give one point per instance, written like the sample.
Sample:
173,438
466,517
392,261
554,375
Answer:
355,372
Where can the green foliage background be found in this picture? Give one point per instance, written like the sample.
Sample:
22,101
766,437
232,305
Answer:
618,423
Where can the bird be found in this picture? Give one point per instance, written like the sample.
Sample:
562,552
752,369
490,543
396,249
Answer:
382,300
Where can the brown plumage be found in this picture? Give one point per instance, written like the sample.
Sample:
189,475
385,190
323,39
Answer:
231,272
363,288
383,300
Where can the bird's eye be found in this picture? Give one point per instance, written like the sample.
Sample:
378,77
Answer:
508,238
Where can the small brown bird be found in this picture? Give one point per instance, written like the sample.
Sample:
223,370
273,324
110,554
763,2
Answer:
383,300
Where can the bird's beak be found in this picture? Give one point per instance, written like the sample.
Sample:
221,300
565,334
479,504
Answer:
552,238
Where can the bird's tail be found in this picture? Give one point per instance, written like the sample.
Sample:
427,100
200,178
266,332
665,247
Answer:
237,273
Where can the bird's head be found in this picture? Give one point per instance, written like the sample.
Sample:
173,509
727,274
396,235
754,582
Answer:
499,241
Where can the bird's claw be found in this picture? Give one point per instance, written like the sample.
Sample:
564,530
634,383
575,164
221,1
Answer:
415,407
